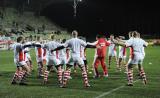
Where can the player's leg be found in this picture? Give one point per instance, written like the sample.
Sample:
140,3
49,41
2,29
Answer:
130,75
75,68
119,63
131,64
104,67
40,69
109,62
59,73
93,68
96,68
30,61
17,75
116,60
58,64
142,73
86,65
126,65
46,74
66,75
26,71
84,72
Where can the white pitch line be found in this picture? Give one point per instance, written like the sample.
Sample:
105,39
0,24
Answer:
106,93
113,90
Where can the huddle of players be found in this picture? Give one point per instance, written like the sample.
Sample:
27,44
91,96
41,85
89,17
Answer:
137,54
75,44
50,49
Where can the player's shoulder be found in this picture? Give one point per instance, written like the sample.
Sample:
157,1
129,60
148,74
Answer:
29,42
37,42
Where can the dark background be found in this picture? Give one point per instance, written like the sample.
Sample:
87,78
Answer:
108,16
93,16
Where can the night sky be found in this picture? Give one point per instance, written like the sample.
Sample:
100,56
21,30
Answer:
109,16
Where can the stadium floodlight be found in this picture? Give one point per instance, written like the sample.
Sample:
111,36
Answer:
75,4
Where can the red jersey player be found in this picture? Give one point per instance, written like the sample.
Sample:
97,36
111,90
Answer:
101,46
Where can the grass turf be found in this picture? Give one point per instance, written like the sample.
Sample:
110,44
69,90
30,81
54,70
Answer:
75,89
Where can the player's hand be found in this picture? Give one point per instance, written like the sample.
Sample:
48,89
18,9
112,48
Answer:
98,46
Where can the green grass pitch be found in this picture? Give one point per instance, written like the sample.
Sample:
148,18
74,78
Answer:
75,89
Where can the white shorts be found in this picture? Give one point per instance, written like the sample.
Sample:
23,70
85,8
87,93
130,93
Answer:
39,59
76,59
63,60
112,53
19,64
52,61
137,59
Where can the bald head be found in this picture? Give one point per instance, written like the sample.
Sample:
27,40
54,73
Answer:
74,33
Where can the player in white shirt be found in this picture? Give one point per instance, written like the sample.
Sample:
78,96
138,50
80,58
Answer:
112,52
62,56
52,60
27,53
137,59
130,50
39,57
22,70
140,67
74,44
122,54
83,55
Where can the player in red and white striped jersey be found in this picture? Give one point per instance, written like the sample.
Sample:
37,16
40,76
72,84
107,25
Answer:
74,44
39,57
52,60
137,57
27,53
22,70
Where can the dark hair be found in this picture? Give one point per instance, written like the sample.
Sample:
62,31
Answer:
52,37
135,33
19,39
64,40
111,34
38,38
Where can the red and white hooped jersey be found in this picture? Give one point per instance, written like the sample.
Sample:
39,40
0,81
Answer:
39,52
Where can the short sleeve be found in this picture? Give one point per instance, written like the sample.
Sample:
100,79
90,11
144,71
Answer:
145,43
108,43
66,44
129,42
83,43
